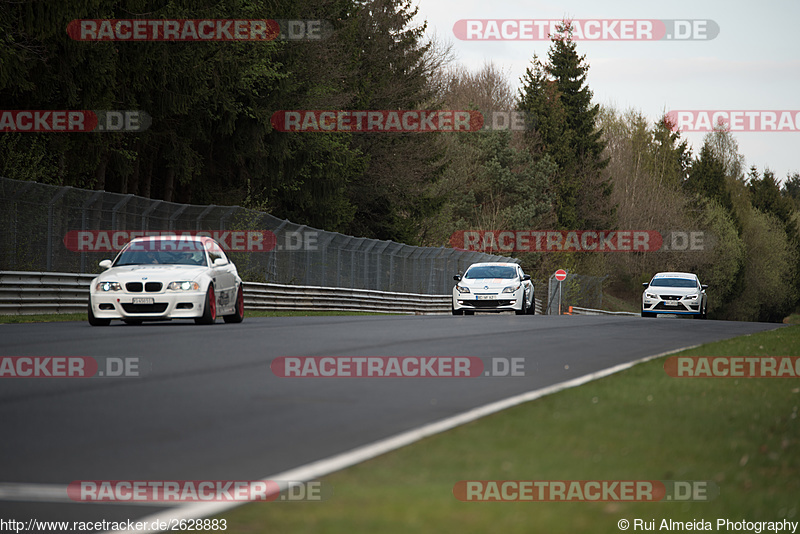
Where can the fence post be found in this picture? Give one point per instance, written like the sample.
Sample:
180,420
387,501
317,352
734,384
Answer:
50,216
89,201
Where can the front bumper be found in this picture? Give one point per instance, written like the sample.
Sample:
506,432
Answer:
486,301
672,306
165,305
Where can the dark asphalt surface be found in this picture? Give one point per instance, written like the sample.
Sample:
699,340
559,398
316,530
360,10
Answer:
209,406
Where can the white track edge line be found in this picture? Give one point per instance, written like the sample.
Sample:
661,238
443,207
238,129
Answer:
360,454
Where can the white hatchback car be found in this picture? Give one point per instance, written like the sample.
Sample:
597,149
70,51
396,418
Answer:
676,294
167,277
493,287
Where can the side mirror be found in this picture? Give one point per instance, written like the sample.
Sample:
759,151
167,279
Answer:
105,264
457,277
526,277
646,284
219,262
704,286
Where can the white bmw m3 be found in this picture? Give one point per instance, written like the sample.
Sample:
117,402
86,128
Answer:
160,278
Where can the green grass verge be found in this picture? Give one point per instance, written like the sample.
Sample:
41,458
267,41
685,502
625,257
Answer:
639,424
611,303
793,319
56,317
42,318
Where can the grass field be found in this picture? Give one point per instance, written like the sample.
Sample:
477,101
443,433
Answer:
640,424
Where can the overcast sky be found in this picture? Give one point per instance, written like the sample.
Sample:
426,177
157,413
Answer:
752,64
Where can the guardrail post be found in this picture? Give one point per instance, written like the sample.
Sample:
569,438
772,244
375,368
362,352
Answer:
365,273
174,216
50,216
198,220
91,200
118,206
146,213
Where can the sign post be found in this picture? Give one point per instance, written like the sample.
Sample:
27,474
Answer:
560,275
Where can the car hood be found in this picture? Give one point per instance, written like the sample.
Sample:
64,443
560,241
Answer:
488,284
159,273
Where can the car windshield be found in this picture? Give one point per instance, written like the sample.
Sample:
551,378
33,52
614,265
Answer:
673,282
162,253
491,271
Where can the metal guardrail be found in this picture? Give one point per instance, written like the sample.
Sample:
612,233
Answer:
575,310
27,293
259,296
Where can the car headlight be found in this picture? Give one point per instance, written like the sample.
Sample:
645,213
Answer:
651,296
108,286
462,289
511,289
690,297
183,286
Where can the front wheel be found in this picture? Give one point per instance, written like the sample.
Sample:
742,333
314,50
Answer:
94,321
524,309
210,309
238,312
647,314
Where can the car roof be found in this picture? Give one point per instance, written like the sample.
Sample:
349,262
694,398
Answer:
493,263
202,238
675,275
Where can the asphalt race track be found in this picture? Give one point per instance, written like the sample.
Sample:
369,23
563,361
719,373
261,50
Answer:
209,407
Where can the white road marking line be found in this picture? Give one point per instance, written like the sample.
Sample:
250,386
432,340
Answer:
26,492
10,491
330,465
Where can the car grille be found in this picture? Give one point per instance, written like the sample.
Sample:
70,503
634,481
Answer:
670,297
150,287
487,303
662,306
158,307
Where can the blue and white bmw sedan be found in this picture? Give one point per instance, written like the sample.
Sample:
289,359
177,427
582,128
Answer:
493,287
676,294
167,277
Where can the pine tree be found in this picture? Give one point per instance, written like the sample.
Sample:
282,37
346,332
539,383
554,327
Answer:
559,101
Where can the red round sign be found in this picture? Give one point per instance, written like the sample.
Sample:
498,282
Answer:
561,275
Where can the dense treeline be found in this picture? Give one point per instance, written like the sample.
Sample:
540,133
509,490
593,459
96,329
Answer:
577,166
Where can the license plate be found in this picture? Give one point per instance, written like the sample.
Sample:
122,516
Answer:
143,300
486,297
671,303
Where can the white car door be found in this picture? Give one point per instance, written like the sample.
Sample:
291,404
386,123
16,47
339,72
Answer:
224,279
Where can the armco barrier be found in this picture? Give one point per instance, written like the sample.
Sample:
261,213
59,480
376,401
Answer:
26,293
258,296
